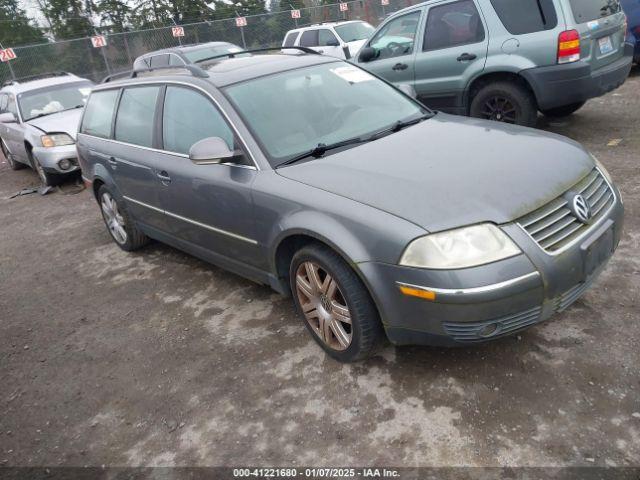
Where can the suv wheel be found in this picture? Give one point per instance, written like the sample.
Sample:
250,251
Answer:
122,229
12,163
336,307
505,102
563,111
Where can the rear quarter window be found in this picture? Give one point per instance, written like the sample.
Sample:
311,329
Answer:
98,113
526,16
588,10
290,39
309,38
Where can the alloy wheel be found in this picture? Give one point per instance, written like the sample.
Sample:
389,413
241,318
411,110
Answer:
113,218
323,305
499,109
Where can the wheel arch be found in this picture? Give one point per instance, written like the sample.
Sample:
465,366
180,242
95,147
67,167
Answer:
492,77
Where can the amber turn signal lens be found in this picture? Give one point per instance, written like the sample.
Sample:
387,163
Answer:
418,292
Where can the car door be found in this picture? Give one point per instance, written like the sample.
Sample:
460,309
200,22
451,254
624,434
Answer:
132,159
453,51
13,134
209,206
394,44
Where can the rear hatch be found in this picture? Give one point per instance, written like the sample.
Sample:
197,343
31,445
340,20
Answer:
601,26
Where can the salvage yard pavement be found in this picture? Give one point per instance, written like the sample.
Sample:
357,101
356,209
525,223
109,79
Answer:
156,358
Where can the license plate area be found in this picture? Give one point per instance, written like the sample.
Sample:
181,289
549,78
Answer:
605,44
597,249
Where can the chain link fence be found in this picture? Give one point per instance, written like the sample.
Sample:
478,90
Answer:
78,56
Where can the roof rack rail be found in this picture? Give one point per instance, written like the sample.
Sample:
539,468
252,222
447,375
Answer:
193,69
256,50
31,78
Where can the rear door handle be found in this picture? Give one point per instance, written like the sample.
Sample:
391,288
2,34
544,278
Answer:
465,57
112,161
400,66
164,177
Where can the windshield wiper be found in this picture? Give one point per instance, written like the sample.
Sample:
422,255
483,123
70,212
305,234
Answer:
320,149
397,126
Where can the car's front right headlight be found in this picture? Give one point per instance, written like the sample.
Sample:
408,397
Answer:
460,248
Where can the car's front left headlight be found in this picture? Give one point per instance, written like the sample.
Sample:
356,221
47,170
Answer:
460,248
56,140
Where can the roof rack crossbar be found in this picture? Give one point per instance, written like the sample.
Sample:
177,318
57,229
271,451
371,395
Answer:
31,78
256,50
193,69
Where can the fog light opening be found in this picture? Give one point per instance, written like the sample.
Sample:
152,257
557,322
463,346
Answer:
489,330
64,164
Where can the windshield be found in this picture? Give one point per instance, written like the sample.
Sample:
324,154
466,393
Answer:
57,98
588,10
354,31
206,52
322,104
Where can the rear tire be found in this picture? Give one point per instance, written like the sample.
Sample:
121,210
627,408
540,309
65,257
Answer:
119,223
563,111
336,307
12,163
505,102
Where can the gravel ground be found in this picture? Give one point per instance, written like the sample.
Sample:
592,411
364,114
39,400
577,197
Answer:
156,358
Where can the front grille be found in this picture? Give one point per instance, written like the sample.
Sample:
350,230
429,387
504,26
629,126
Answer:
553,226
471,331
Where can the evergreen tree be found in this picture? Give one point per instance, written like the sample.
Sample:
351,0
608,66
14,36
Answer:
15,27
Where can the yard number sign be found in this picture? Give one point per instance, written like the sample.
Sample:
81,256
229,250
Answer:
177,31
98,41
7,54
344,7
241,22
295,13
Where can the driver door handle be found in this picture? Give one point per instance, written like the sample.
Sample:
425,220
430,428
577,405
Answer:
400,66
164,177
465,57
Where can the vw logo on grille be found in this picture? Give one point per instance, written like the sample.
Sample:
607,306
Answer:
580,208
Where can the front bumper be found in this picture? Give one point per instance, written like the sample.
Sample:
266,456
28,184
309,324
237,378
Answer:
560,85
486,302
50,158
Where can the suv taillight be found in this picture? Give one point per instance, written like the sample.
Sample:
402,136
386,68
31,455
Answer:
568,46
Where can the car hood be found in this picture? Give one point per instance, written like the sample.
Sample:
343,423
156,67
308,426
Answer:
451,171
63,122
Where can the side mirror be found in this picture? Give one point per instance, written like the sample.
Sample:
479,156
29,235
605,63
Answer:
408,90
367,54
209,151
8,117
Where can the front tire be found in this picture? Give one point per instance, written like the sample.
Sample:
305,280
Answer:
47,179
334,304
118,221
563,111
505,102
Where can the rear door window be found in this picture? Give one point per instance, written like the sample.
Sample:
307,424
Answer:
588,10
309,38
134,121
327,39
526,16
453,24
290,39
189,117
98,114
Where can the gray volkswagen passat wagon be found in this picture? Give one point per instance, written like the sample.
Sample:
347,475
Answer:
310,175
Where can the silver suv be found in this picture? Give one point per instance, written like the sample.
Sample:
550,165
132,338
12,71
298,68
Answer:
309,174
503,60
39,119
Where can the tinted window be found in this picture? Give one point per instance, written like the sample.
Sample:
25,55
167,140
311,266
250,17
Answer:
453,24
327,39
134,122
189,117
175,60
397,37
309,38
159,61
526,16
290,39
99,114
587,10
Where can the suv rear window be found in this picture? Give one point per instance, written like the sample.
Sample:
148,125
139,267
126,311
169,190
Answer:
98,113
309,38
588,10
526,16
290,39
